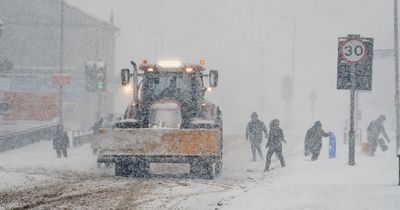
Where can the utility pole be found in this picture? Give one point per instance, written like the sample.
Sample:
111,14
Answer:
351,133
60,114
260,52
354,54
287,95
313,98
293,71
396,77
1,27
396,64
262,92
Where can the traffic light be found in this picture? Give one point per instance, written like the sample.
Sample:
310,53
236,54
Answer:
96,76
101,71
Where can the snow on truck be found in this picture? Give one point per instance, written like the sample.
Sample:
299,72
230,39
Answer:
170,123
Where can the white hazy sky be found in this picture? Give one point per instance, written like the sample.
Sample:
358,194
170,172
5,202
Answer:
254,45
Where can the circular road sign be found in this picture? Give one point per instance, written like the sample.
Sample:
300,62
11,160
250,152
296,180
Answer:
353,50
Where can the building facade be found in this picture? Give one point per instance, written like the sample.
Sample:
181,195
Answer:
39,42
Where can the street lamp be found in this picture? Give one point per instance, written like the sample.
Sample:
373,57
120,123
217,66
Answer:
292,21
1,27
398,155
61,57
313,97
396,77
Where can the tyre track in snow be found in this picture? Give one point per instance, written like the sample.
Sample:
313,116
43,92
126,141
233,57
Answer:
293,148
99,193
173,200
91,189
230,186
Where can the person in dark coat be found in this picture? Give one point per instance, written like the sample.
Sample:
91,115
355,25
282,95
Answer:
61,141
375,128
274,143
313,140
97,124
254,132
93,141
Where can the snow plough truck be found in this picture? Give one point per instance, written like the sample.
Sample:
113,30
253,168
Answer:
168,122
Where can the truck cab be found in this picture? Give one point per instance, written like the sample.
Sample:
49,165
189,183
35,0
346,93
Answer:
168,121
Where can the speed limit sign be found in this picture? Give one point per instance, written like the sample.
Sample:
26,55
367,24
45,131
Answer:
353,51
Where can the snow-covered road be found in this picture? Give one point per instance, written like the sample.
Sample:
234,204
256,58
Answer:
32,177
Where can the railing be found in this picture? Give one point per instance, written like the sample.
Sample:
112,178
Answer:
79,140
12,140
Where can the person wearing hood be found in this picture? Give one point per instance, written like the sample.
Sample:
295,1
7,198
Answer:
313,140
375,128
254,132
274,143
61,141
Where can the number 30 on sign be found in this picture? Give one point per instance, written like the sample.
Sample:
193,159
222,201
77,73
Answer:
353,51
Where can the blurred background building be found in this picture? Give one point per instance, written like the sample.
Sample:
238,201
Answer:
30,56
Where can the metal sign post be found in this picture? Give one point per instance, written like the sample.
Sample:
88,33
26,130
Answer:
351,132
354,73
396,78
398,155
61,103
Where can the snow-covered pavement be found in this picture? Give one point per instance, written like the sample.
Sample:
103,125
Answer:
328,184
32,177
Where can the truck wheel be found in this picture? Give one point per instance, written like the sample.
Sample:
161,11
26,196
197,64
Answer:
218,168
202,170
140,169
195,168
122,168
208,171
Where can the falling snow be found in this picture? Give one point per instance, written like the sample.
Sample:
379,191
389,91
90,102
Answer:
198,105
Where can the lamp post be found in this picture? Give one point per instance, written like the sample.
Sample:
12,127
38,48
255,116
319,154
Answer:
60,109
1,27
398,155
396,77
313,97
290,105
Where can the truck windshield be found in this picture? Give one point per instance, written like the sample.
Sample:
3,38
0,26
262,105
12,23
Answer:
168,84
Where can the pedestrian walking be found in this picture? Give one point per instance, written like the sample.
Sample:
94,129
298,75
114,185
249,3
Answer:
94,143
97,124
313,140
375,128
61,141
274,143
254,132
